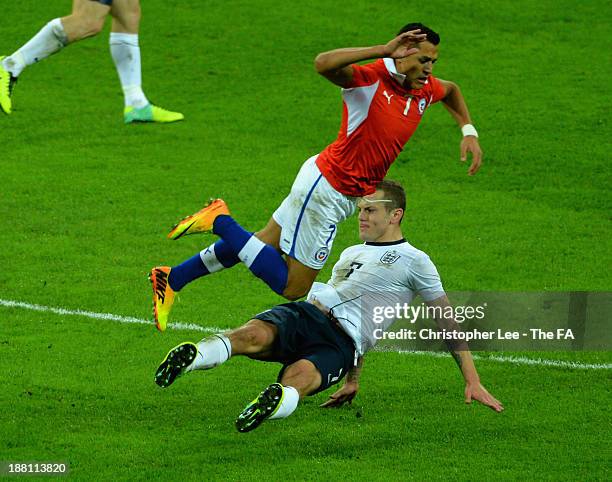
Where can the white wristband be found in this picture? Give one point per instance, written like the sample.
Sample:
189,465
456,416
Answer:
469,130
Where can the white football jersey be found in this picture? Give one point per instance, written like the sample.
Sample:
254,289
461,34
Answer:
377,275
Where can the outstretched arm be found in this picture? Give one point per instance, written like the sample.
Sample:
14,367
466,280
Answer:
349,389
460,352
335,65
456,106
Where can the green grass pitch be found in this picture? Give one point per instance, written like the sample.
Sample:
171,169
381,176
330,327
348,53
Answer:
85,203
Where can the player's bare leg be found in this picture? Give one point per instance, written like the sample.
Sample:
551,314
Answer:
270,234
126,16
125,51
254,339
86,20
303,376
299,279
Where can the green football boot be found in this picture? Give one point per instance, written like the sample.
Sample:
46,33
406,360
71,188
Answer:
150,113
7,82
175,363
260,409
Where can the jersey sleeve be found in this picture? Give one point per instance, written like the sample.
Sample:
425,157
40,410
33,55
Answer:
437,89
363,75
424,278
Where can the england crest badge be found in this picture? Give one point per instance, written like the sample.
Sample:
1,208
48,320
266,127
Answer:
390,257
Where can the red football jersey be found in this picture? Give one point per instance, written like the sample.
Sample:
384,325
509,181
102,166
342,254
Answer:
379,116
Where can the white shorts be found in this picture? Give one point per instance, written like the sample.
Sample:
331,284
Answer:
309,215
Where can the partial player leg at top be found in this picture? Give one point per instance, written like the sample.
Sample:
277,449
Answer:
86,20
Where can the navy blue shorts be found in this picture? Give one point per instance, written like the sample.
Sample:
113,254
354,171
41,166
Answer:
104,2
305,333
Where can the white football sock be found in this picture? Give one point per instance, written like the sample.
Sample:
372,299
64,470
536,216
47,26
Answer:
126,55
46,42
288,404
250,250
210,260
212,352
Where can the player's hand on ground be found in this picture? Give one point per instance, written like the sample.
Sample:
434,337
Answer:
475,391
404,44
470,144
345,394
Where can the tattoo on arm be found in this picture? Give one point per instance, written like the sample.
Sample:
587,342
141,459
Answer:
355,372
454,353
454,346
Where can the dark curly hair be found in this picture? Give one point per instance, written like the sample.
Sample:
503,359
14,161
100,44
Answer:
432,37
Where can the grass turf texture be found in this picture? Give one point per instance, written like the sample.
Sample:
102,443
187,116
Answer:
86,203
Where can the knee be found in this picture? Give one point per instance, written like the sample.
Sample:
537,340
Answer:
303,369
128,19
88,26
131,18
250,338
95,26
302,375
134,12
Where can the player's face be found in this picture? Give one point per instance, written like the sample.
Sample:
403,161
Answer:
374,218
417,67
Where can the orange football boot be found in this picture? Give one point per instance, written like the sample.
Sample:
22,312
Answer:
200,222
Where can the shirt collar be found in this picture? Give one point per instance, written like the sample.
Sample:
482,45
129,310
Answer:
400,78
390,64
385,243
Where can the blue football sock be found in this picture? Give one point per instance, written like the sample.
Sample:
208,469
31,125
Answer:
219,256
214,258
262,259
187,271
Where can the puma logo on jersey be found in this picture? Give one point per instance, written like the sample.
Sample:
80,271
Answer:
387,96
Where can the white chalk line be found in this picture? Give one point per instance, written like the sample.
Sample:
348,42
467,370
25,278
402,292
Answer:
519,360
106,316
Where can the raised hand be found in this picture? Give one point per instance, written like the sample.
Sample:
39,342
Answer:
404,44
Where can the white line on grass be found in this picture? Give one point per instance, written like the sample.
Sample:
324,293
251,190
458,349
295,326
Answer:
520,360
211,329
105,316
